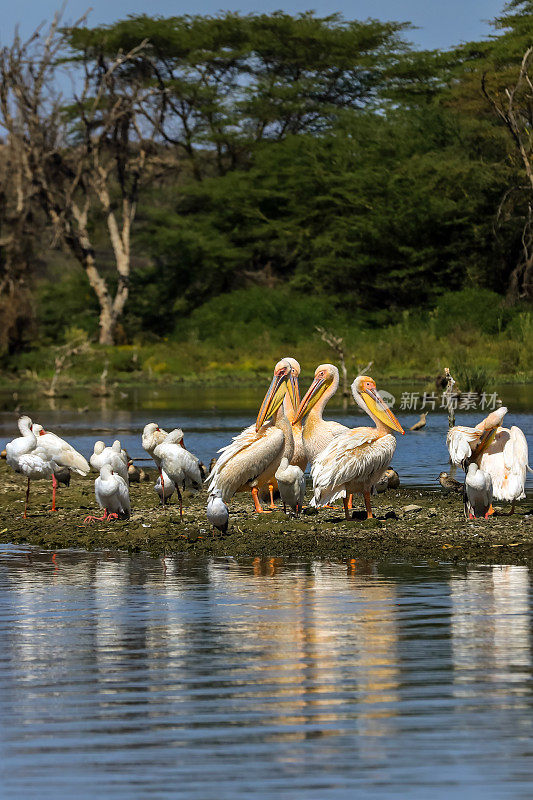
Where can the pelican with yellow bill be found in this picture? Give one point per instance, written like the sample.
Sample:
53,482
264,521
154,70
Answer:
354,461
249,462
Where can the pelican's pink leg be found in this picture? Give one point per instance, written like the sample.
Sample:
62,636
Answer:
271,490
257,505
368,507
346,505
350,501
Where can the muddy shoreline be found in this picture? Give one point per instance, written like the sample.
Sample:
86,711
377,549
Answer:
411,525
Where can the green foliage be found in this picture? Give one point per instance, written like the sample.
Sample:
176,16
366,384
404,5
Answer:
63,303
246,314
477,309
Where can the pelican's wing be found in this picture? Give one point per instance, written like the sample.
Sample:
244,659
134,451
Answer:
520,450
245,458
350,457
461,441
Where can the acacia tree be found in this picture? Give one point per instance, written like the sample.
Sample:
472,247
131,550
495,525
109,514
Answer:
514,107
90,155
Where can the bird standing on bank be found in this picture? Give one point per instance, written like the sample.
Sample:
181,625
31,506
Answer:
356,460
501,452
478,492
217,511
111,492
61,453
114,456
291,485
165,488
250,461
181,466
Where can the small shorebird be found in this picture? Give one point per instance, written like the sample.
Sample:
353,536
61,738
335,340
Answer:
449,484
421,422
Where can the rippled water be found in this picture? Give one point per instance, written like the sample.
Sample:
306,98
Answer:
131,677
211,416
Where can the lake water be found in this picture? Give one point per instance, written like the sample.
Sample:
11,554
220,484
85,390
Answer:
132,677
210,416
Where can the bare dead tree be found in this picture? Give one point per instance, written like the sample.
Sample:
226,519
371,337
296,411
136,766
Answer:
515,109
81,155
64,354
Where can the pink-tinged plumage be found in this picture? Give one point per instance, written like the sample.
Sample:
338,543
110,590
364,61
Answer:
355,460
318,433
500,452
251,459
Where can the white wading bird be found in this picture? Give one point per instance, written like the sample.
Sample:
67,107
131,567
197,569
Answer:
181,466
217,511
501,452
35,466
478,492
356,460
22,444
152,436
62,453
112,495
165,488
251,459
291,485
114,456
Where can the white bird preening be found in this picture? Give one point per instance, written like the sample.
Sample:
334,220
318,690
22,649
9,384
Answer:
111,492
291,485
501,452
164,487
251,459
152,436
181,466
114,456
478,492
217,511
356,460
35,466
53,450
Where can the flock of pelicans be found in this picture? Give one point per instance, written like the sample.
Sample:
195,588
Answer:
274,452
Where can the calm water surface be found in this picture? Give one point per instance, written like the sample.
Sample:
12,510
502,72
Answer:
210,416
131,677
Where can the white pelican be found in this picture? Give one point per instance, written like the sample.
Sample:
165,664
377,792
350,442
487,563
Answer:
318,432
251,459
291,485
112,495
217,511
164,488
181,466
355,461
502,452
114,456
291,401
478,492
62,453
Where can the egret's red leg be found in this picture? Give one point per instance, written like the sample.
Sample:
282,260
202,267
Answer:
97,519
54,486
257,505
